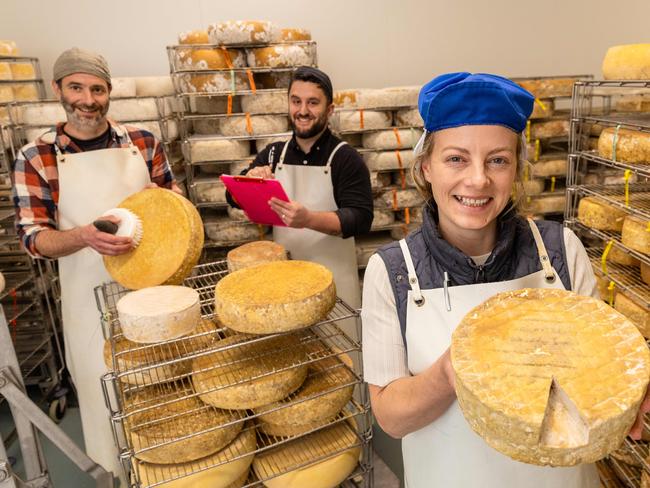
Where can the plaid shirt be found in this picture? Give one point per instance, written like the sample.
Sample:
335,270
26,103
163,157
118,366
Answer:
35,177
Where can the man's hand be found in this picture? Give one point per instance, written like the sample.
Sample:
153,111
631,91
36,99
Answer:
175,188
260,172
292,213
637,428
104,243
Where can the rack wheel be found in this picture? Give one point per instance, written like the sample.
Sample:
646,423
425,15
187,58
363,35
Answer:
57,408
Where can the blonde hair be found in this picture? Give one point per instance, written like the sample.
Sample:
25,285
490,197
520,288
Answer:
518,198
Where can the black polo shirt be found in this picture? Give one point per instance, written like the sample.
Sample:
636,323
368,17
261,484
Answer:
350,177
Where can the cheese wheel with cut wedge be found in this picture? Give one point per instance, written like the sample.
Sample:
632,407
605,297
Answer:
549,377
627,62
275,297
636,233
639,315
254,253
171,244
598,214
632,146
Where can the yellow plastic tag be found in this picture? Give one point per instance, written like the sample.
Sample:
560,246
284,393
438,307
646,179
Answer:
610,288
526,175
603,258
528,131
647,227
541,104
615,141
627,173
537,149
552,184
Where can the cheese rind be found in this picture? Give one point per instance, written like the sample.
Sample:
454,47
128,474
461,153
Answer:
645,272
632,146
627,62
275,297
241,32
638,314
265,103
389,160
636,233
351,120
217,149
282,56
254,253
409,117
549,377
254,125
548,129
549,87
596,213
391,139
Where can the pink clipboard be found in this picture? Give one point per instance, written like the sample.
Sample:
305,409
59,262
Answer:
253,195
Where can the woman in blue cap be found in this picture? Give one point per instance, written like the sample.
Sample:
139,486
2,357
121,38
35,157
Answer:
469,158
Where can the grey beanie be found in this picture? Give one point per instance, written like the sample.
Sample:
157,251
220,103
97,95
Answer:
77,60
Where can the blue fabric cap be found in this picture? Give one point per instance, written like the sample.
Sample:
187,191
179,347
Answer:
457,99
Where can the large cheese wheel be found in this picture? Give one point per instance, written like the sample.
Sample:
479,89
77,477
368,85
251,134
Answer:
263,102
338,444
273,80
349,120
389,160
8,48
638,314
547,204
210,191
154,86
408,117
391,139
225,231
645,272
382,218
134,109
401,198
549,377
550,128
534,186
549,87
398,96
327,389
292,34
223,473
282,56
275,297
550,166
636,234
242,374
542,109
42,113
5,72
194,37
254,125
242,32
618,256
22,71
627,62
598,214
159,313
122,87
204,149
156,416
171,244
254,253
25,92
632,146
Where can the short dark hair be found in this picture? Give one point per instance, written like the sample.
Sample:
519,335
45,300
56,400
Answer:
316,76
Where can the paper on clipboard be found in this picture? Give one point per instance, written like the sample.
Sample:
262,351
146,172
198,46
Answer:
253,195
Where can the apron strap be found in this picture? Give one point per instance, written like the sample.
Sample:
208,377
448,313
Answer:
549,273
282,154
413,279
329,160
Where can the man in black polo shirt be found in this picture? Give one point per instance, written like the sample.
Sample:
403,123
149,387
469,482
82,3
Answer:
326,180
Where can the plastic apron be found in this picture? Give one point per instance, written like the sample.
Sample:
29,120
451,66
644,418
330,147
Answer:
448,453
312,187
91,183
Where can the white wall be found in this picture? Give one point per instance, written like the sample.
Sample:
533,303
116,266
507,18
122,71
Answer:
361,43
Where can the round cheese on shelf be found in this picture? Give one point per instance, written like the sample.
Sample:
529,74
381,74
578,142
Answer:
154,86
194,37
237,214
159,313
624,454
236,168
534,186
122,87
22,71
547,167
254,125
242,32
8,48
638,314
350,120
549,377
603,288
275,297
550,128
636,234
547,204
215,83
645,272
382,218
25,92
282,56
5,72
217,149
211,59
330,456
398,96
409,117
157,415
616,255
223,230
42,113
133,109
273,80
261,143
327,389
224,473
632,146
391,139
292,34
549,87
210,191
171,243
542,109
389,160
263,102
242,374
594,212
627,62
254,253
633,103
379,181
401,198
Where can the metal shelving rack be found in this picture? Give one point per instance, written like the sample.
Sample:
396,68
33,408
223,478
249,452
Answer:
593,105
322,340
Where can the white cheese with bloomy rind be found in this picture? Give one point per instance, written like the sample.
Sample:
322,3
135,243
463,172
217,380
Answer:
133,109
636,234
166,419
282,56
242,374
275,297
632,146
396,96
265,102
225,230
204,149
391,139
42,113
337,446
351,120
408,117
410,197
627,62
598,214
154,86
389,160
254,253
242,32
638,314
549,377
238,125
122,87
225,472
159,313
210,191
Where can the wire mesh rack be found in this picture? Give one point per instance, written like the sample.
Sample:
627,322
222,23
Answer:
162,396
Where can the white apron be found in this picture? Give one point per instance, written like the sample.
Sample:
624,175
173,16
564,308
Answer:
312,187
447,453
90,183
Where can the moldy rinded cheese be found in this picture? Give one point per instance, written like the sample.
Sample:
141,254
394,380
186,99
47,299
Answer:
636,234
598,214
632,146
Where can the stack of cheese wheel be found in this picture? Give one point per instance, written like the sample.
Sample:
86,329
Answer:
549,377
275,297
242,32
171,243
242,373
160,424
598,214
282,467
636,233
254,253
630,146
627,62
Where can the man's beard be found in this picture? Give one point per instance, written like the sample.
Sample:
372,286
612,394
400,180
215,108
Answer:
318,126
84,122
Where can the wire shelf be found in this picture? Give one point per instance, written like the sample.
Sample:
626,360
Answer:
615,474
614,195
607,236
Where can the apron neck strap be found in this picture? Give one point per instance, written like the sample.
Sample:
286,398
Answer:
282,155
549,274
329,160
412,277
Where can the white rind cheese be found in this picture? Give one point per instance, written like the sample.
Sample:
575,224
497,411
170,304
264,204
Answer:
210,191
42,113
122,87
549,377
391,139
382,218
133,109
400,199
265,103
204,149
350,120
237,125
154,86
389,160
409,117
224,230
